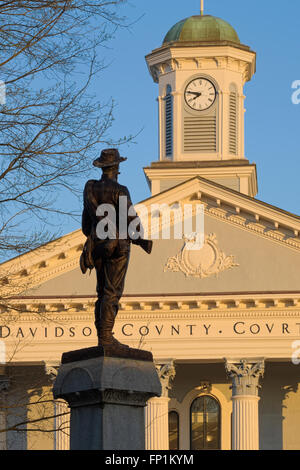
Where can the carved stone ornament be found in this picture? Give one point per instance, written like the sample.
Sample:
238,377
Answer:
52,371
166,373
245,376
201,263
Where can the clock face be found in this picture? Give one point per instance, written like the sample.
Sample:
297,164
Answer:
200,94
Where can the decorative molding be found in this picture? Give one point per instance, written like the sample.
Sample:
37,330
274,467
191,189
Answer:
125,397
206,262
245,374
171,315
166,373
235,60
214,305
204,387
259,228
51,370
288,224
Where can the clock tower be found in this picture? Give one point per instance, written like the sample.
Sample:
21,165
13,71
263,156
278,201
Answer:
201,69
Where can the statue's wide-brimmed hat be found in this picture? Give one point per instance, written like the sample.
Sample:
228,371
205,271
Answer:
109,157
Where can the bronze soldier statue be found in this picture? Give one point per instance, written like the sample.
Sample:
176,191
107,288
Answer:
109,256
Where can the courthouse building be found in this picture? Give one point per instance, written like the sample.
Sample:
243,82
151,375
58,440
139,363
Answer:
222,321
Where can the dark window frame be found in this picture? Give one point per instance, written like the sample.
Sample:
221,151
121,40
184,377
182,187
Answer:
178,423
204,396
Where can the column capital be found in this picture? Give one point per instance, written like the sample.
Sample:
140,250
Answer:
166,373
245,374
51,369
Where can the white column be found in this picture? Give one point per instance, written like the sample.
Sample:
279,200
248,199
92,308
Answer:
157,425
157,412
4,385
61,420
62,425
245,376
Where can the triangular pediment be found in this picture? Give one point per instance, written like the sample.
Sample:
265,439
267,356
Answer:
249,246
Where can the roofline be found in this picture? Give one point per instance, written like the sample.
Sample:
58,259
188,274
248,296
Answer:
199,164
54,240
233,191
195,178
180,44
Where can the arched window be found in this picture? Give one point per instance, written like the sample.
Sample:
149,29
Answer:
169,121
205,423
173,430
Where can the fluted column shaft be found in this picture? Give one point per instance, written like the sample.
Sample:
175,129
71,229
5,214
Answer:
157,412
245,432
61,420
157,423
245,376
62,426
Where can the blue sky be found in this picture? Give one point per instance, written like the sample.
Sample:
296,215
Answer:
271,28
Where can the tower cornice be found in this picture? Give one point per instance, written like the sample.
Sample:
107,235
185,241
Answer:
197,56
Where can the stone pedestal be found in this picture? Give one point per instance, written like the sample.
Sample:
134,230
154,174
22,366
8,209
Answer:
107,396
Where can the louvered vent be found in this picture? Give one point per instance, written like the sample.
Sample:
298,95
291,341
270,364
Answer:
233,147
169,125
200,134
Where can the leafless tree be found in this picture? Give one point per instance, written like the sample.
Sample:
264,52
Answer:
31,414
50,126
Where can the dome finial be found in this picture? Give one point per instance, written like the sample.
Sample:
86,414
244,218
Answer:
202,7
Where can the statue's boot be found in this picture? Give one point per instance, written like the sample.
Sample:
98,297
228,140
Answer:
106,339
104,330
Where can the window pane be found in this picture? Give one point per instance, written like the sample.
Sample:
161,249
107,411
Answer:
197,431
173,430
205,423
211,405
198,405
212,431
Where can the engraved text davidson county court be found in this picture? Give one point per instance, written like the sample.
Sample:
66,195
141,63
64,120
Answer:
228,328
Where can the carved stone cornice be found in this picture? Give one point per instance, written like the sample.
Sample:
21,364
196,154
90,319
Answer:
186,306
217,56
262,230
245,374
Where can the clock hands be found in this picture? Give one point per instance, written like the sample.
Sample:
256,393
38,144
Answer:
197,93
194,93
200,100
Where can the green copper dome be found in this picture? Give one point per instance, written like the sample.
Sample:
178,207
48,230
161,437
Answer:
204,28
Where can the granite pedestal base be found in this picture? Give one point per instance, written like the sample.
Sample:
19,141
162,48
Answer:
107,396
